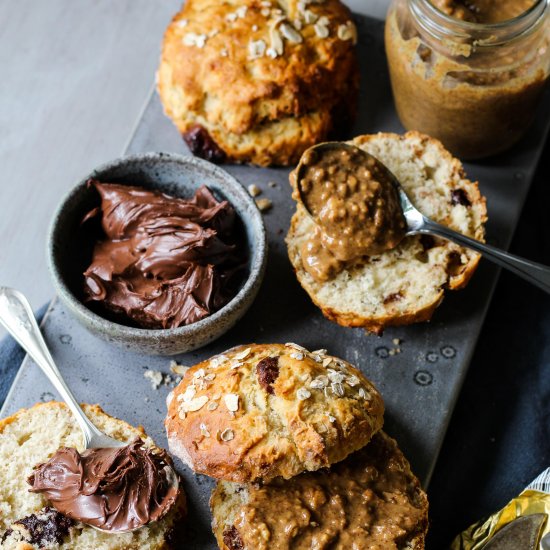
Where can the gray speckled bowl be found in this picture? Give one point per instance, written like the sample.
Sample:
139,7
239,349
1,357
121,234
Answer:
69,248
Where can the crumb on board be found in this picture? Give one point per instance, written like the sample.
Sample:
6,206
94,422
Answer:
158,379
264,204
254,190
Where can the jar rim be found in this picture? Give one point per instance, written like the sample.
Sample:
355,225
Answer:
510,28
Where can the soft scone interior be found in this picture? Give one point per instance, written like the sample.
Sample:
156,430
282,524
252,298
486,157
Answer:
33,435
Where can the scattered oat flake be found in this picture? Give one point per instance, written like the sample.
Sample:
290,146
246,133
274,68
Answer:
231,402
242,354
236,365
210,376
327,362
335,376
321,351
223,53
310,17
362,393
217,396
347,32
265,12
227,435
199,373
182,23
254,190
204,430
296,346
193,39
182,415
212,406
195,404
254,28
241,11
270,52
297,356
352,380
231,16
331,418
302,394
319,383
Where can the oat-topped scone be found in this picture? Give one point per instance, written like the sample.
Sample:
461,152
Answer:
370,500
267,410
27,520
258,80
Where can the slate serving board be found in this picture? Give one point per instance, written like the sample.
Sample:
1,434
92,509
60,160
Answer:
420,384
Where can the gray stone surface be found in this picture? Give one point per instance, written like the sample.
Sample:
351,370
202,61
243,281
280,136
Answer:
420,385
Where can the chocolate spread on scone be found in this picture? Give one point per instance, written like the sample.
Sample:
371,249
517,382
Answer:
114,489
164,261
356,209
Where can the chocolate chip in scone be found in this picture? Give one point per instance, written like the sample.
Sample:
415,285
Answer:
459,196
427,242
202,145
393,298
232,539
46,527
268,370
6,535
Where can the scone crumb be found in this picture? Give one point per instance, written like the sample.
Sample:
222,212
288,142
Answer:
272,184
396,341
254,190
231,402
182,23
193,39
155,377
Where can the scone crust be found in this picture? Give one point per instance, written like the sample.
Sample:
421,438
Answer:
166,531
454,279
261,109
227,499
315,411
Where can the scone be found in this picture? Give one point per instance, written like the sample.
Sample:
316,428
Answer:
30,437
257,80
406,284
370,500
267,410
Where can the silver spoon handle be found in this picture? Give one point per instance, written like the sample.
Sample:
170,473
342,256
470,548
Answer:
17,317
535,273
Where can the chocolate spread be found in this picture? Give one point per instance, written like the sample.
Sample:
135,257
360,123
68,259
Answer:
366,501
483,11
113,489
164,261
355,205
475,94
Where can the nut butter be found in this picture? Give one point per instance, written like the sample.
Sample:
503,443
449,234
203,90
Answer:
470,73
355,205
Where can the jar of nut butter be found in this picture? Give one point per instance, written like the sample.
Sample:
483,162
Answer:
468,72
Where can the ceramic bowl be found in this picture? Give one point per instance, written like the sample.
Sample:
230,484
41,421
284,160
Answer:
70,248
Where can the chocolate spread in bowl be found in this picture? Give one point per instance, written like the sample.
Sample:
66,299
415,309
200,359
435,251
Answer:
115,490
356,209
164,261
367,501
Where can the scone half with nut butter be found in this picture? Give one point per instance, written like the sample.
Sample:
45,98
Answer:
369,500
406,283
261,411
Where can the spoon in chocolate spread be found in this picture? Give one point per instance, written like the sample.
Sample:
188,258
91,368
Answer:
112,486
361,209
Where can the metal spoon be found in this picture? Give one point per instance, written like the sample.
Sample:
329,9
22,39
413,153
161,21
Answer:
417,223
17,317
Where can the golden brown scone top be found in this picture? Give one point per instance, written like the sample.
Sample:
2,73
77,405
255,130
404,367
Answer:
238,67
267,410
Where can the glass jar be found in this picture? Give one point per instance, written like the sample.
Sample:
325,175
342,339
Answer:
474,86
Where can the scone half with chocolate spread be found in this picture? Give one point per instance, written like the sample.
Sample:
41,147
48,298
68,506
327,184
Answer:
27,520
262,411
259,81
403,285
369,500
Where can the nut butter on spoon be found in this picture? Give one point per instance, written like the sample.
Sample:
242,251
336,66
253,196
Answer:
360,209
112,486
